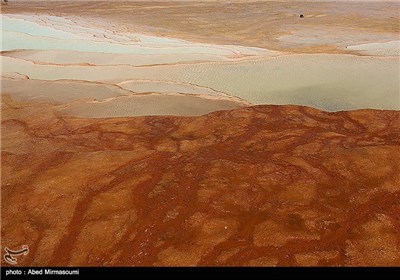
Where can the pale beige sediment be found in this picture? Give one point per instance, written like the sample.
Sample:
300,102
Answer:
62,57
148,105
102,100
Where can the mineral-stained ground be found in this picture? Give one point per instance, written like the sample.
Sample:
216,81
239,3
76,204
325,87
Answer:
256,186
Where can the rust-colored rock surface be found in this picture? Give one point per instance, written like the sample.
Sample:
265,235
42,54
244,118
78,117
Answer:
260,186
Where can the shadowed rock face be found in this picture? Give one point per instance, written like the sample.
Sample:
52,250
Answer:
261,186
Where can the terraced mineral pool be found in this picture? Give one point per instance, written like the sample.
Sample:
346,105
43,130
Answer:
329,82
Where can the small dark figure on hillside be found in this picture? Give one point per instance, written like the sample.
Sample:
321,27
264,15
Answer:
301,16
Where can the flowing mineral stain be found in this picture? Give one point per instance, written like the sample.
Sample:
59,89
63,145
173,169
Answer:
227,188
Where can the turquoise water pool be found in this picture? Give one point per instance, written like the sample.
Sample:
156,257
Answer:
18,34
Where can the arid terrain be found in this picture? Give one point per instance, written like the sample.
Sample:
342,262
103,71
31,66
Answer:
206,133
261,24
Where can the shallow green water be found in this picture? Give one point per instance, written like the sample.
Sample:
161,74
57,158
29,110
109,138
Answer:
329,82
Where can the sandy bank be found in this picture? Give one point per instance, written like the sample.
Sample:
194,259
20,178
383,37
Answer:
391,48
148,105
